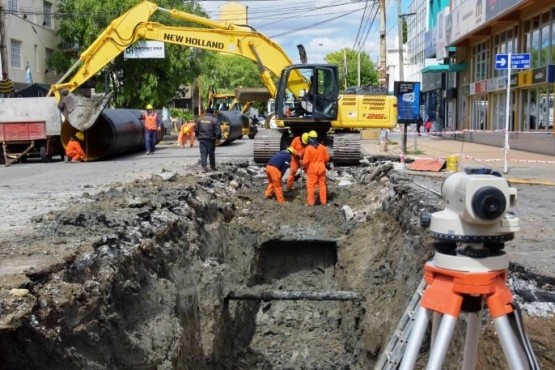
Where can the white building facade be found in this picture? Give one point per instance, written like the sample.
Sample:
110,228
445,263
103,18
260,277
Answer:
27,39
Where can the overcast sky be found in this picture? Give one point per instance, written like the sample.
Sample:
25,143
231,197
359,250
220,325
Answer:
334,23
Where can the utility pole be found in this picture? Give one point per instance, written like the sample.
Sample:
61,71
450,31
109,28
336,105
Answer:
383,50
358,63
400,22
3,52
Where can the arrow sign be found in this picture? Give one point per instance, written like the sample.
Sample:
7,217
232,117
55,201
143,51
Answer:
501,62
518,61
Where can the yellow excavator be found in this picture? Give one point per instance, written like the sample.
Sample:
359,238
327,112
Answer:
234,108
314,88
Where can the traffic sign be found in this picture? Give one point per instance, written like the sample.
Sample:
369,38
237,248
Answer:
518,61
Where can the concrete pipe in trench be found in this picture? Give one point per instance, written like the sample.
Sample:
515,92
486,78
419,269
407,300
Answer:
115,132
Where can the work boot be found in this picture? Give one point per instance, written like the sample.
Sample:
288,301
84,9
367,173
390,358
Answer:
205,169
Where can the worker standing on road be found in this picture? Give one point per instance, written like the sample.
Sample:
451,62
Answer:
315,161
275,169
187,133
74,150
207,131
298,144
153,124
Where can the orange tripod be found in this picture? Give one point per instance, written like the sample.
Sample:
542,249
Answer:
460,283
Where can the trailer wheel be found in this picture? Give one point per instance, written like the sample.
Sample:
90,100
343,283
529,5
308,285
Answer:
43,156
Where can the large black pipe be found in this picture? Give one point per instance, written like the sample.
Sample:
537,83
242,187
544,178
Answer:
232,124
115,132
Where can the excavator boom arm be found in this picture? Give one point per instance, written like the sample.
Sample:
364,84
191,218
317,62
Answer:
132,26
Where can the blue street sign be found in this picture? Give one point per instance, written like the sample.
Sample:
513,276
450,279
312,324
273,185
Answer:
518,61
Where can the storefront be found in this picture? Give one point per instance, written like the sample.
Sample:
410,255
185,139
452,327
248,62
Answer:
536,99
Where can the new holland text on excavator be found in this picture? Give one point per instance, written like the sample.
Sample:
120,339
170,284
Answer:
313,88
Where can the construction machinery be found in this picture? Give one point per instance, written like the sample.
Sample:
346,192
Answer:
232,110
313,88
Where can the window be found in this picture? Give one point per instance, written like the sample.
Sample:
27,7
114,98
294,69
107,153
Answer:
15,53
47,14
12,6
480,57
504,42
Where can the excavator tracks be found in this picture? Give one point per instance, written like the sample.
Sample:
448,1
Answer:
267,143
346,149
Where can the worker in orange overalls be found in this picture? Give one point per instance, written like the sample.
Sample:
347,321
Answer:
187,131
74,150
275,169
298,144
315,160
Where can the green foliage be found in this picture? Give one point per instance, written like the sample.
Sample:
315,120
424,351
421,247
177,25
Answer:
368,73
227,72
136,82
182,113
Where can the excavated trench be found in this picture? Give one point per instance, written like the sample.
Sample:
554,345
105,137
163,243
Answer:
165,273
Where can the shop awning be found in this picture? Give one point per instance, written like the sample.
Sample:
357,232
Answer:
443,68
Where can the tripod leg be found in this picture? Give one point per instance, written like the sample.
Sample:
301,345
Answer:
436,321
513,351
415,339
471,340
439,350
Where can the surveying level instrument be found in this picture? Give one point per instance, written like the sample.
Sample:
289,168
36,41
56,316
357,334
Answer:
468,271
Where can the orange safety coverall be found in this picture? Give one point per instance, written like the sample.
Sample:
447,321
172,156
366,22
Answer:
298,146
187,131
274,184
314,164
74,151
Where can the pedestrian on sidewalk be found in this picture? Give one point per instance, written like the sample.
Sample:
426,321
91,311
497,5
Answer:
419,124
428,125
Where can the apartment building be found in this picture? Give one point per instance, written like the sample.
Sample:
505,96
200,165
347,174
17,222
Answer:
469,37
27,39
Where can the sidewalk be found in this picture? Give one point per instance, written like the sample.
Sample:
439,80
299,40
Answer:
523,167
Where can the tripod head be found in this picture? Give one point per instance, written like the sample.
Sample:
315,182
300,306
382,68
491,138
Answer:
475,222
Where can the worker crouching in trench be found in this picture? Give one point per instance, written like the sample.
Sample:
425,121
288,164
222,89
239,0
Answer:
275,169
74,150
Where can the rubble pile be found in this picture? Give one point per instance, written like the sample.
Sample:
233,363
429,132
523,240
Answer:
139,276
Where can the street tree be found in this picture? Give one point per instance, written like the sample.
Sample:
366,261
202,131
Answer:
368,73
135,82
226,72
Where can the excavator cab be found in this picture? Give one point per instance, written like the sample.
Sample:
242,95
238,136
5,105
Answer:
314,88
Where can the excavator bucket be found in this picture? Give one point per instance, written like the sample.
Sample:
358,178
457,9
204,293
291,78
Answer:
82,112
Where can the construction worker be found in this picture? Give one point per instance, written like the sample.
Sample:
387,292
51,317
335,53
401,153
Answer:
74,150
153,124
187,132
298,144
6,86
315,160
275,169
